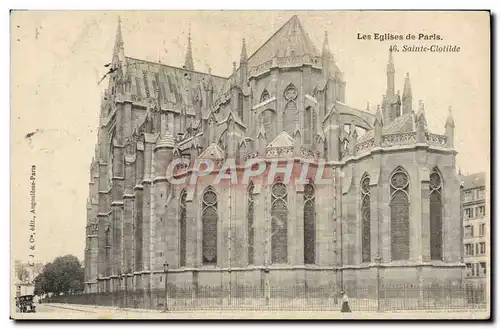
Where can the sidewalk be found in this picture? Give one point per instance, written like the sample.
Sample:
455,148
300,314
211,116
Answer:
104,312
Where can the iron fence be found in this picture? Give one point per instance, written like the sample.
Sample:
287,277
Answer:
385,298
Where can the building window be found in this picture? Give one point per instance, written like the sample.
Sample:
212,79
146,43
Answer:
400,215
436,215
483,268
482,246
250,224
469,269
209,220
309,224
480,211
365,218
309,126
265,96
182,229
480,193
473,268
138,233
279,223
477,248
468,213
482,230
468,196
289,118
469,250
469,231
267,118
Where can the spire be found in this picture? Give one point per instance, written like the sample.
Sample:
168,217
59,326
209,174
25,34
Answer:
449,120
390,76
326,48
118,37
243,57
421,113
378,117
188,63
407,96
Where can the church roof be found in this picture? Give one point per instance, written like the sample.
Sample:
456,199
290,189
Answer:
282,140
400,125
290,40
177,85
213,152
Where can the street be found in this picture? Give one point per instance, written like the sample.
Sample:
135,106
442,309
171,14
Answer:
76,312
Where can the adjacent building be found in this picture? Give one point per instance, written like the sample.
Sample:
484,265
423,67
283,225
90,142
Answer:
476,228
390,215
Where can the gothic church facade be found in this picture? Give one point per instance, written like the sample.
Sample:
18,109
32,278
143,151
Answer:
392,211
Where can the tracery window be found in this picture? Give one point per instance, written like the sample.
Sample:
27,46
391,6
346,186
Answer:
289,117
309,125
436,215
250,224
209,219
400,215
365,219
279,223
309,224
182,229
138,233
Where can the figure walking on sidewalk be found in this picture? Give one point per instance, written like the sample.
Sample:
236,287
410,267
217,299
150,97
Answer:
345,303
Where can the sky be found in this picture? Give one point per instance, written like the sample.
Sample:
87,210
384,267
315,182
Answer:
58,58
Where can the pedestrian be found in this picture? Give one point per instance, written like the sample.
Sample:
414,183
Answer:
345,303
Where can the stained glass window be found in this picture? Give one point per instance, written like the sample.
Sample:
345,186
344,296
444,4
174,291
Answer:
436,215
209,219
138,233
365,219
279,223
250,224
400,215
289,117
309,225
182,229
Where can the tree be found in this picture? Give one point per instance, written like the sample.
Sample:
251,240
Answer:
64,275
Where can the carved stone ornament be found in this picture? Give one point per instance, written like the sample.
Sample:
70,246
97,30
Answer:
290,92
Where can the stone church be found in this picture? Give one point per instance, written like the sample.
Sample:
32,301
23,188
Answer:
391,213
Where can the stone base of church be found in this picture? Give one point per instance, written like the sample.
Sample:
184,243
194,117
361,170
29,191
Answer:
289,277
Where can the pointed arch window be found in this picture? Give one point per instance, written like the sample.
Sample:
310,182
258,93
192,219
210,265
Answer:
309,224
436,214
365,219
138,233
400,215
279,223
307,126
182,229
209,220
268,120
265,96
289,117
250,224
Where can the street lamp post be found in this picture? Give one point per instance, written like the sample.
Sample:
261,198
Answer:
165,304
